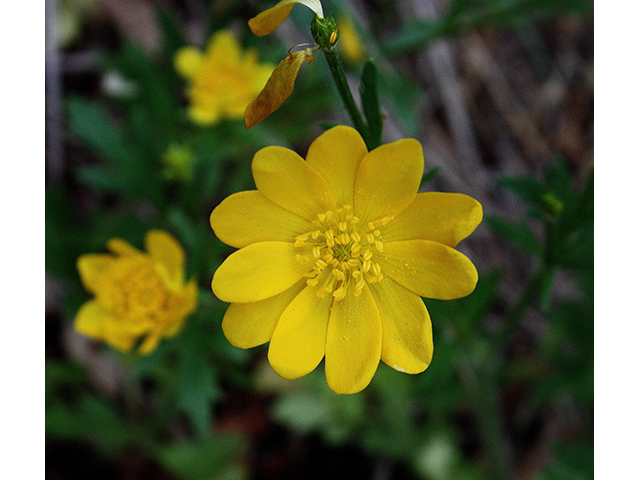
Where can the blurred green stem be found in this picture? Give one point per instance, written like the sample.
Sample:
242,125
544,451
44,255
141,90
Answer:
340,79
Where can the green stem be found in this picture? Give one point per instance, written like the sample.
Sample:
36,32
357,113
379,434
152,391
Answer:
340,79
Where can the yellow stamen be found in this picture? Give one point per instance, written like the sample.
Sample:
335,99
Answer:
346,250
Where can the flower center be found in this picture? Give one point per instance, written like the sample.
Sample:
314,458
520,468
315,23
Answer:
136,291
342,252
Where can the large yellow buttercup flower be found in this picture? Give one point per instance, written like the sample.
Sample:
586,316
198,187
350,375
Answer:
223,80
335,252
138,295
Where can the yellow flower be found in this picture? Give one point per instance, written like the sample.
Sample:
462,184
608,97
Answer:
335,252
137,294
223,80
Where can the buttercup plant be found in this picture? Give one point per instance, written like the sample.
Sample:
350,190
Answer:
336,251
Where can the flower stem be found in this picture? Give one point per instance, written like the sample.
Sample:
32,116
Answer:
340,79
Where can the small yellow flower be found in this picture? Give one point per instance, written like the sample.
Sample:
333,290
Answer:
223,80
137,294
335,252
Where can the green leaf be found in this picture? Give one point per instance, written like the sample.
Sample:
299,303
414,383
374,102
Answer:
527,188
154,84
465,15
305,412
214,458
90,122
517,233
430,175
90,419
197,389
172,34
65,237
128,172
371,104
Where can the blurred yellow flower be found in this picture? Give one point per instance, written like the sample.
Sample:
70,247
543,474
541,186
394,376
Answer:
335,252
350,44
138,295
222,80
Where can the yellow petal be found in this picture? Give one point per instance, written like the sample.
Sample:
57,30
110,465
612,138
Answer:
165,250
247,325
118,337
407,340
224,45
266,22
277,89
92,268
249,217
297,345
121,247
442,217
258,271
189,295
336,154
286,179
354,337
388,178
91,320
203,116
188,61
149,344
429,269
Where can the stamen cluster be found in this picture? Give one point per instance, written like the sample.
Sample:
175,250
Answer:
341,252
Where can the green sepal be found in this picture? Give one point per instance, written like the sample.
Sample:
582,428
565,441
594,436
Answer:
325,31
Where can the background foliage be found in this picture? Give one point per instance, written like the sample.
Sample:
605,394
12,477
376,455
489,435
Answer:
500,94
